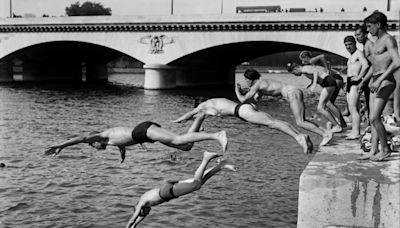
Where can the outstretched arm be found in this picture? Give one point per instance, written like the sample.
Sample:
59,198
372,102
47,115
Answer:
80,139
122,151
320,58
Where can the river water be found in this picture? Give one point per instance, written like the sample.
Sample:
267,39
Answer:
83,187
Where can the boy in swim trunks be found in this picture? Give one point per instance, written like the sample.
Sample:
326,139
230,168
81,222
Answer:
357,67
246,112
385,61
174,189
290,93
330,84
145,132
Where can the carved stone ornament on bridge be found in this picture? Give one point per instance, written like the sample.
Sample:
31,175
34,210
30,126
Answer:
156,42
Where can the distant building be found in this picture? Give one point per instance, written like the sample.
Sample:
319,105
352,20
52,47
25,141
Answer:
297,10
258,9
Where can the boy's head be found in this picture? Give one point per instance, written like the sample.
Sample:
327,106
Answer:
361,34
305,55
293,68
96,144
350,44
251,74
377,20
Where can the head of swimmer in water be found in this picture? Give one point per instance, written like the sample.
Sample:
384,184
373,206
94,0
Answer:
96,144
250,76
294,68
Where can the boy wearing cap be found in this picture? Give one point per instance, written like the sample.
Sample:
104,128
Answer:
357,67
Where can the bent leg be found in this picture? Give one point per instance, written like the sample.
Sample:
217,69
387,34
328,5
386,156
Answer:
195,127
324,98
251,115
191,185
185,142
297,106
296,102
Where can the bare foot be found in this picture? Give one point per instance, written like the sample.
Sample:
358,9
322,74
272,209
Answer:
302,140
337,129
352,137
223,140
210,155
224,165
381,156
179,121
326,138
366,156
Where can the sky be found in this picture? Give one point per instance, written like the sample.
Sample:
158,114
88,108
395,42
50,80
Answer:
163,7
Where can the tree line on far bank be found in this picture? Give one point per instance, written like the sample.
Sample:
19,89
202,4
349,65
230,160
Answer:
87,9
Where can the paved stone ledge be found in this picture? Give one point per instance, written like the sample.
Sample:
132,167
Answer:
336,190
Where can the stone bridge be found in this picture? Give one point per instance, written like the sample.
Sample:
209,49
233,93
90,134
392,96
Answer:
176,50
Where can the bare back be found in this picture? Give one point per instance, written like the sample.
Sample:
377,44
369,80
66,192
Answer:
118,136
270,87
218,107
309,70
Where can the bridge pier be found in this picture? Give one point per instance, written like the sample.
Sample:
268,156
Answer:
158,76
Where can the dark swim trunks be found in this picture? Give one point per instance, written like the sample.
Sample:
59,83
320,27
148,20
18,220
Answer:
139,133
386,88
236,111
166,192
351,83
330,80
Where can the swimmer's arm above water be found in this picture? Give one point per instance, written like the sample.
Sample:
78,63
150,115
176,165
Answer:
76,140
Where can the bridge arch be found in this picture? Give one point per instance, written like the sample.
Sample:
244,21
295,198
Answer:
61,60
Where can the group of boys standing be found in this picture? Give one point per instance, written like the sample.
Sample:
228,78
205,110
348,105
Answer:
374,70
